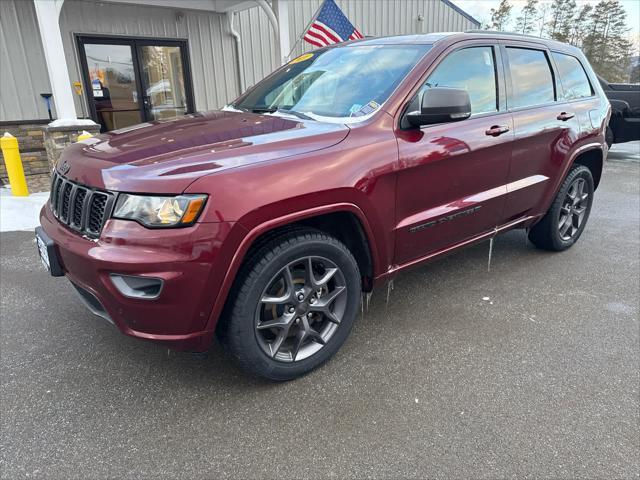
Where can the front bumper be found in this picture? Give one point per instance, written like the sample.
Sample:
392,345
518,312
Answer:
186,259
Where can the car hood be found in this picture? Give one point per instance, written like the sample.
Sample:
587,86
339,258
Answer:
167,156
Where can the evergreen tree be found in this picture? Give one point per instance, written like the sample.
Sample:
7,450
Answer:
581,24
500,17
606,44
561,20
525,23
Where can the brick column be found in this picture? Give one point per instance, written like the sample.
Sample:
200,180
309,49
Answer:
57,138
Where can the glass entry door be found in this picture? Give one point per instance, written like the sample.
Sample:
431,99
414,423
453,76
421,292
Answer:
129,81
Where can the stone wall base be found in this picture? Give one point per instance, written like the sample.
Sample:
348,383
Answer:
56,139
31,143
40,147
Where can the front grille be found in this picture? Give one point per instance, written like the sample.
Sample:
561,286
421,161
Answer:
81,208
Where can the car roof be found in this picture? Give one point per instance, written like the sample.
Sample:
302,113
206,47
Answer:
432,38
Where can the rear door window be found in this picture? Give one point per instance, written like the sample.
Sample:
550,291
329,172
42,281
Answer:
573,78
531,77
472,69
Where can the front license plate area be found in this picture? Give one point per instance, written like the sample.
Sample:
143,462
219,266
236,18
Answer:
47,253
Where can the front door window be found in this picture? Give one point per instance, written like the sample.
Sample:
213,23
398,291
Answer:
129,81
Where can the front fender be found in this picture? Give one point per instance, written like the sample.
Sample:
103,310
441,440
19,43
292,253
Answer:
244,236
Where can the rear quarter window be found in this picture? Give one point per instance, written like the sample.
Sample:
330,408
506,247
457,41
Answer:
573,78
531,78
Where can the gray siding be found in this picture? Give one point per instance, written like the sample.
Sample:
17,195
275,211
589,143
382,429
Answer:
379,18
211,47
372,17
23,71
259,47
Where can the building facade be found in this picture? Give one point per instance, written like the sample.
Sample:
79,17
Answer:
122,62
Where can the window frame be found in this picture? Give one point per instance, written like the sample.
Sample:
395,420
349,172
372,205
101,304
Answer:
136,43
504,44
499,71
584,70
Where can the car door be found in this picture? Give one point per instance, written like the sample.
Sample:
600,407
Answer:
452,176
545,127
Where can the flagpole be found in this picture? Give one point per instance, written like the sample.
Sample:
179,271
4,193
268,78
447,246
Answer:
306,28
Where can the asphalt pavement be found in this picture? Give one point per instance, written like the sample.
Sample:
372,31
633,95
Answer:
529,370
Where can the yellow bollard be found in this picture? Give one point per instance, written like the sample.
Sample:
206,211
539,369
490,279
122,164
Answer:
84,135
11,154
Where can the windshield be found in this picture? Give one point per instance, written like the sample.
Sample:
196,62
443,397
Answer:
349,82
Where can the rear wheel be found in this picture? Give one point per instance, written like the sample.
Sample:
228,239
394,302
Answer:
293,305
565,221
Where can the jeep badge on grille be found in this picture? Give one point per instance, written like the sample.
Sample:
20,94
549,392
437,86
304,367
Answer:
64,167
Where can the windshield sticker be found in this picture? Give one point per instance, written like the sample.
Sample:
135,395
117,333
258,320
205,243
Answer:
301,58
370,107
354,108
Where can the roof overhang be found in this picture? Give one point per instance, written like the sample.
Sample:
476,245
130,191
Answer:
219,6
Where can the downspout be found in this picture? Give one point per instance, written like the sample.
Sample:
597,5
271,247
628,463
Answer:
239,65
274,23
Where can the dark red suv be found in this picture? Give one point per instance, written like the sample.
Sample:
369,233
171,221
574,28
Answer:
265,222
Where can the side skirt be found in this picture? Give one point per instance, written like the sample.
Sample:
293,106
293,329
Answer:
394,269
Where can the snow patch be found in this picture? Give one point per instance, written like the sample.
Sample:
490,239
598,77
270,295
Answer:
20,213
72,122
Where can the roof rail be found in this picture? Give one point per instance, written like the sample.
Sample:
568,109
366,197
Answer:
497,32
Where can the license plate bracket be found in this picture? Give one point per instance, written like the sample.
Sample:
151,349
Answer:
47,253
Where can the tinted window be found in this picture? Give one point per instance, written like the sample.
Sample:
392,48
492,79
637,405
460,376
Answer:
572,76
472,69
531,77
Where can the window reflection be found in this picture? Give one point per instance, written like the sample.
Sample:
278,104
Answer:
575,83
165,95
531,77
472,69
351,81
113,85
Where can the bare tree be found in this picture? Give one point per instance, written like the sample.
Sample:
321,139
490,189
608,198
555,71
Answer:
500,16
525,23
543,15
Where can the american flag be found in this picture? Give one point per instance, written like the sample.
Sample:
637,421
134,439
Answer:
330,26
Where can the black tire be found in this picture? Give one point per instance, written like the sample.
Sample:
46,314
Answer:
239,331
548,232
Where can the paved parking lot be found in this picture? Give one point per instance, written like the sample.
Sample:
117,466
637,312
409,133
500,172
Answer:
540,380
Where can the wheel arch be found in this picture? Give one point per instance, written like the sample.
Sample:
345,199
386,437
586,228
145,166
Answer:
345,221
593,159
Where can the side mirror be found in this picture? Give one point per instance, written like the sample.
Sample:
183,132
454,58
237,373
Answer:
441,105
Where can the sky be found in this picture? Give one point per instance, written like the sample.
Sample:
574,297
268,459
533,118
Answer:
481,10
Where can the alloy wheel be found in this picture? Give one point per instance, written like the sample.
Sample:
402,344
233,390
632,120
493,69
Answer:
574,207
301,309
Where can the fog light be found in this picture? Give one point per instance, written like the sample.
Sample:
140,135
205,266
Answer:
131,286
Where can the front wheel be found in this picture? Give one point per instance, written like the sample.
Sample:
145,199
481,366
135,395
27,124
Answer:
293,305
563,224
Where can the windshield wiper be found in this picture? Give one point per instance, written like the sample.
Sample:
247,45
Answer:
280,110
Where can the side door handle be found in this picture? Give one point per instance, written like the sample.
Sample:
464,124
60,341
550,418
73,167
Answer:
564,116
497,130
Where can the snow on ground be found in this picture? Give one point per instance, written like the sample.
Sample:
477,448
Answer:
20,213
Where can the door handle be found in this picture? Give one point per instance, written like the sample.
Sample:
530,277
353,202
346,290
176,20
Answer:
564,116
497,130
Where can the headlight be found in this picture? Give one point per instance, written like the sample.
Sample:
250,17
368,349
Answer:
155,211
